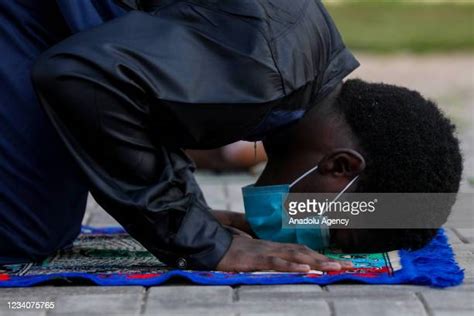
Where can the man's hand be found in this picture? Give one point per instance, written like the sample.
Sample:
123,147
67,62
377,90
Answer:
246,255
233,219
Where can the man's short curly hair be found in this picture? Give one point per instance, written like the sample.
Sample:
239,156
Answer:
409,146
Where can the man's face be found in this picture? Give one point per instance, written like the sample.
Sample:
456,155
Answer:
321,138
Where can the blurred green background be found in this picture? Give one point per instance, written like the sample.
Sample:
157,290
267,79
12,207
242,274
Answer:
413,26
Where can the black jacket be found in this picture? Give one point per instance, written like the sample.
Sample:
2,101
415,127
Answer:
133,92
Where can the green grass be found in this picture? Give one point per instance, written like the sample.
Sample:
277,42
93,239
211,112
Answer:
471,181
415,27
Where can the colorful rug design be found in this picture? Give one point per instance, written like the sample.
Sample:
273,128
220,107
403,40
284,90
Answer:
108,256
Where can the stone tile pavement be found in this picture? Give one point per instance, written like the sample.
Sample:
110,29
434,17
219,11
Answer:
178,299
450,82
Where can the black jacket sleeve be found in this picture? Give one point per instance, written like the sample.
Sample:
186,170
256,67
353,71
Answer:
99,101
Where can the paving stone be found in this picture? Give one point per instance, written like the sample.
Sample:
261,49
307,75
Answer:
263,293
468,279
236,178
215,195
357,290
466,286
290,288
451,313
234,195
9,294
104,304
463,247
36,297
466,234
97,216
462,215
92,206
449,300
467,263
368,292
102,219
208,177
452,236
367,301
171,297
382,290
86,218
54,291
389,306
6,308
8,312
463,255
183,311
58,294
287,308
468,274
234,192
239,179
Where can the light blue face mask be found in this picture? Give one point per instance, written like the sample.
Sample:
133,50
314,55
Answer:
265,212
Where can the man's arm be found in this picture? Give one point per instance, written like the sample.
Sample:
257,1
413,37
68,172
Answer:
234,220
98,88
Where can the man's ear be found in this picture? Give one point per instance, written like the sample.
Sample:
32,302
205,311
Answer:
342,162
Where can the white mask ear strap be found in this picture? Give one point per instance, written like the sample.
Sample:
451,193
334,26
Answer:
345,189
304,175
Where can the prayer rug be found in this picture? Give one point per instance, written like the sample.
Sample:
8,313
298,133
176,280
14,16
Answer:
109,256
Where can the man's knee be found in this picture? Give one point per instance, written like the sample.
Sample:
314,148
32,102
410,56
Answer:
35,246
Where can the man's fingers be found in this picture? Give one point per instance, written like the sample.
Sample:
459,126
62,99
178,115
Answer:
304,255
266,256
346,264
281,265
315,264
